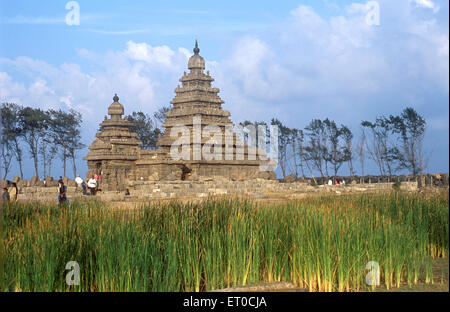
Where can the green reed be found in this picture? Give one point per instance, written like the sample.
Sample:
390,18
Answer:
319,243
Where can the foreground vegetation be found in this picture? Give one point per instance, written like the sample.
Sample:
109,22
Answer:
322,244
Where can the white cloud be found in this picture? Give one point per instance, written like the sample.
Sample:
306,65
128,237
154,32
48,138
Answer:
147,53
143,76
427,4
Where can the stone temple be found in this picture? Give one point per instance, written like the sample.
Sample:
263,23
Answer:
206,153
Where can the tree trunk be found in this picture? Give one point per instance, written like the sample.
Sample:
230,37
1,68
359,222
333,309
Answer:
19,157
352,172
74,166
44,162
36,166
6,167
310,171
64,161
295,158
362,168
20,168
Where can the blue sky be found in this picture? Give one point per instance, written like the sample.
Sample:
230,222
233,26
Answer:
294,60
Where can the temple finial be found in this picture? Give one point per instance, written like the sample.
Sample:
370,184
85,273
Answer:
115,98
196,49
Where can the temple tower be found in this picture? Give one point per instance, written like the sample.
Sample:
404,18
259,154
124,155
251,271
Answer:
115,149
196,100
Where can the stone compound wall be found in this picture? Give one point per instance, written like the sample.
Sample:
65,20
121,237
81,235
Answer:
435,179
258,189
34,190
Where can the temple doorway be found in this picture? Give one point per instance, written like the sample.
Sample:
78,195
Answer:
185,171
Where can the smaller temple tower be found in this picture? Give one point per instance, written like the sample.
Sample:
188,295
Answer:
114,151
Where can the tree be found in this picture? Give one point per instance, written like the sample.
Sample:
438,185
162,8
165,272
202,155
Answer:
348,138
411,127
5,142
73,124
299,137
143,125
361,149
6,155
48,149
34,123
337,151
12,131
316,149
65,134
284,139
59,133
381,149
295,133
45,152
160,117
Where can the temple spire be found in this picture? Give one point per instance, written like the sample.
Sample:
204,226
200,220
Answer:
196,49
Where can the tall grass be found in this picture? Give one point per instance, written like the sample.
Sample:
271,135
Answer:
322,244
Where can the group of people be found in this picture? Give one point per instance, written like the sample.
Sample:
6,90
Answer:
10,195
336,182
92,184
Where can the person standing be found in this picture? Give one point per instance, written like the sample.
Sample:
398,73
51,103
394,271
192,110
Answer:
5,195
78,180
92,185
83,185
14,193
62,197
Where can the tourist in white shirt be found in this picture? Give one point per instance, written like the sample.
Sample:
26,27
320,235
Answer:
78,180
92,185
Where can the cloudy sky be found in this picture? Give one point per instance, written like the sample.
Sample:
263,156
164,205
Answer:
293,60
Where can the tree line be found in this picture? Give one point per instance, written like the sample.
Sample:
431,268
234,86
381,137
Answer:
46,134
49,134
394,143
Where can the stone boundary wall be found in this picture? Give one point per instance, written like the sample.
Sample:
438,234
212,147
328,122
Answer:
435,179
258,189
